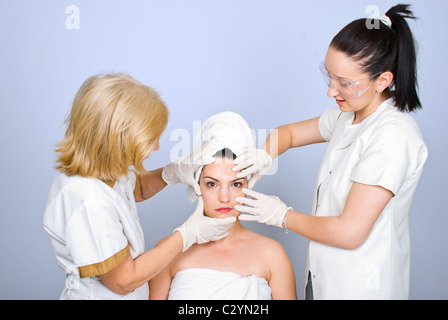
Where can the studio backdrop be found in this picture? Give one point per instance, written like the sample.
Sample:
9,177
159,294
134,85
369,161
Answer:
259,58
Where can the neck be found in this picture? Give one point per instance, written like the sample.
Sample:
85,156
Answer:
234,231
361,115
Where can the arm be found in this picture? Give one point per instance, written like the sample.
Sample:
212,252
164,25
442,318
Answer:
198,228
282,280
159,286
180,171
293,135
132,273
349,230
150,184
256,162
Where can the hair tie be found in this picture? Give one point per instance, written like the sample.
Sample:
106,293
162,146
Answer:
385,20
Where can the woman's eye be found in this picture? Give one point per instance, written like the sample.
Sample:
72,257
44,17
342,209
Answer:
237,184
210,184
345,84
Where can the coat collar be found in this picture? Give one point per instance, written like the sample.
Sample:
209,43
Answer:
355,131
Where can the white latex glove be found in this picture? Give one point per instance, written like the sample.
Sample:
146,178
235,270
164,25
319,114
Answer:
183,170
200,229
262,208
255,162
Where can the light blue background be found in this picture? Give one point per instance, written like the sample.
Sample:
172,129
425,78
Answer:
259,58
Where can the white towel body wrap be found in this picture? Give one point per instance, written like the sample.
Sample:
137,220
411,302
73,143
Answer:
209,284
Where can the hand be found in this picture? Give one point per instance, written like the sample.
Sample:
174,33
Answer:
262,208
255,162
200,229
183,170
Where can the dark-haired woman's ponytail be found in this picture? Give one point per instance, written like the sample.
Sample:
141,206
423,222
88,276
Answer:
388,47
406,96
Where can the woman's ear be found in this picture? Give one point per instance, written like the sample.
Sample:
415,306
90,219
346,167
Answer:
384,81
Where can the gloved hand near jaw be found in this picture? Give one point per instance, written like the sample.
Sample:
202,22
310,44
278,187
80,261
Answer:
262,208
254,162
183,170
200,229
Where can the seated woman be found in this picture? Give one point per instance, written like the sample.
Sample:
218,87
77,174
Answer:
243,265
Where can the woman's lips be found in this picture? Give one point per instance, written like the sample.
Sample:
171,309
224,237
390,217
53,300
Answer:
224,209
340,102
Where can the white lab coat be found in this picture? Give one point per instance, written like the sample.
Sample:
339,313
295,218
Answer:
386,149
93,227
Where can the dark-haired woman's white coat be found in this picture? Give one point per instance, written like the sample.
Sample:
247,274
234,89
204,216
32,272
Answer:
387,150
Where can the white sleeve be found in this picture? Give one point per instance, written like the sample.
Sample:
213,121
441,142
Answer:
95,238
328,121
385,160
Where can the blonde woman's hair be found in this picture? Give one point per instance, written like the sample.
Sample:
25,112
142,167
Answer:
115,122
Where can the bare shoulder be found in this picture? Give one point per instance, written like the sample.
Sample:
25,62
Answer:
269,246
278,266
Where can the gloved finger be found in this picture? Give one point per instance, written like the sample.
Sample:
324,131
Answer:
239,208
253,194
211,146
243,158
240,175
254,179
204,155
207,160
207,151
248,171
199,159
200,207
247,201
195,185
247,217
220,236
243,164
224,222
197,188
219,224
241,152
247,209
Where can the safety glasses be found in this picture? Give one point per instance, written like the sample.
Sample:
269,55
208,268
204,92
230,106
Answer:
348,89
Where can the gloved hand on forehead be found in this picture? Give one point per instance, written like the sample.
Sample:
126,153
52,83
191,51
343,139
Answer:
254,163
183,170
201,229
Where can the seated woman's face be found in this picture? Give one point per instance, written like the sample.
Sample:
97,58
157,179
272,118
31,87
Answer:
220,187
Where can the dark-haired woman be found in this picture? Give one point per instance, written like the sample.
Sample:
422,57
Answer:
359,229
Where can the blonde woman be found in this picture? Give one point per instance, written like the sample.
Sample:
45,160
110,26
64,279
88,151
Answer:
90,216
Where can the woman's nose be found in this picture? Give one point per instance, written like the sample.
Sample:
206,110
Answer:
332,92
224,195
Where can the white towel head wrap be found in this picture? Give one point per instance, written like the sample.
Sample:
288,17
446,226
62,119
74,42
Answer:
227,128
